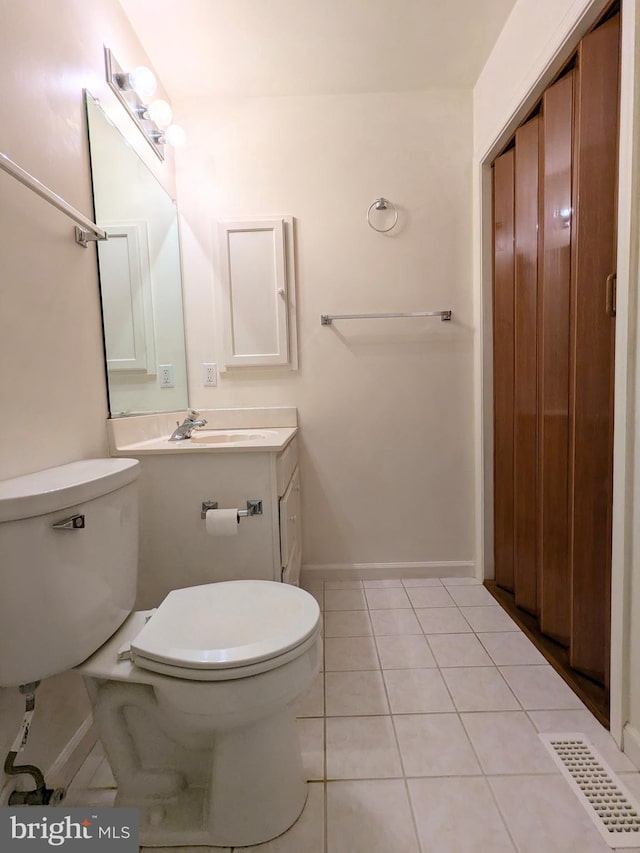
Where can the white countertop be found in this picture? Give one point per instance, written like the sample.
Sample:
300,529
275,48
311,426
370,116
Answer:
263,440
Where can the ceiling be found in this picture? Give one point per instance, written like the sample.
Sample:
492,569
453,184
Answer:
205,48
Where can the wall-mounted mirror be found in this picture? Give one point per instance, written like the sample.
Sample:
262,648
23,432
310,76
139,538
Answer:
140,276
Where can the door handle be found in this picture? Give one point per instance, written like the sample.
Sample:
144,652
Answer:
611,294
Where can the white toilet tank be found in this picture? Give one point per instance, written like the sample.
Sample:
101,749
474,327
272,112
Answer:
68,564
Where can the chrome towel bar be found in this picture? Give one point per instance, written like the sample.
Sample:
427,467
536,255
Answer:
85,229
327,319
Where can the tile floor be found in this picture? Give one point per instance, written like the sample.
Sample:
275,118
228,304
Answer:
420,734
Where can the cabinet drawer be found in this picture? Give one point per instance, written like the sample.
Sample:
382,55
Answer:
286,463
290,519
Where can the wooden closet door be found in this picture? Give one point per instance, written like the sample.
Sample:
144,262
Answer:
593,347
503,365
526,371
553,345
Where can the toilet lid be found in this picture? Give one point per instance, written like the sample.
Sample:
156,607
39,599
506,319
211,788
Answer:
227,624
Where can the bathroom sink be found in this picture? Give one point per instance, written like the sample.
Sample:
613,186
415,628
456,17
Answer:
245,436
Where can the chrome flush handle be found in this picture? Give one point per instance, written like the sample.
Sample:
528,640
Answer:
74,522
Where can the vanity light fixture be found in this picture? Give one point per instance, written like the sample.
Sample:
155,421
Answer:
135,89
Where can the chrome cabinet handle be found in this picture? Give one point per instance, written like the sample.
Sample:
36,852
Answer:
74,522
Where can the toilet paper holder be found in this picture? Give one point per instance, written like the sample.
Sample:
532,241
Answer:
254,507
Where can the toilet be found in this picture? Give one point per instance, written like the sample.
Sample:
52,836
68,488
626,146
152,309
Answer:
194,701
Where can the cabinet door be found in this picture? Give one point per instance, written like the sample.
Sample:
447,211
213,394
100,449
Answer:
593,343
503,366
257,292
553,355
291,572
290,536
526,371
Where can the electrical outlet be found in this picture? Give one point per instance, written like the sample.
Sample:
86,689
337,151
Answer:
166,375
209,374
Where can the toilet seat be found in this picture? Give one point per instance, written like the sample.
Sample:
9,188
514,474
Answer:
227,630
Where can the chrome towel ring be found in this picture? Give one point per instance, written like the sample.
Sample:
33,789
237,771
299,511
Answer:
382,204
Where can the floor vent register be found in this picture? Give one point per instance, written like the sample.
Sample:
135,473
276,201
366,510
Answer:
609,804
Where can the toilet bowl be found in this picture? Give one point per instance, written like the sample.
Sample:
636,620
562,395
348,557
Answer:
195,705
195,701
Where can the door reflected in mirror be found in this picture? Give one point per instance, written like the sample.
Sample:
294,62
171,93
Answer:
140,276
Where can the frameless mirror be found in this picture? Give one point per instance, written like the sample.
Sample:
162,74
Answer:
140,276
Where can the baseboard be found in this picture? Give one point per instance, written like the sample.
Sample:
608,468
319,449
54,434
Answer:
318,572
631,744
72,757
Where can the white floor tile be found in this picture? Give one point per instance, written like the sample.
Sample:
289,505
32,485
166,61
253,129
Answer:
404,651
458,815
347,623
343,584
443,620
509,648
543,814
458,650
472,595
479,688
507,742
416,691
355,693
435,745
391,622
306,834
488,618
413,582
382,584
540,688
350,653
362,748
430,596
344,599
369,817
387,599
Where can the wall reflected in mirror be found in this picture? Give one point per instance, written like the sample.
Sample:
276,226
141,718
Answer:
140,276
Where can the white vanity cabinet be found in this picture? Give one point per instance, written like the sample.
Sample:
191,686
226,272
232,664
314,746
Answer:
175,549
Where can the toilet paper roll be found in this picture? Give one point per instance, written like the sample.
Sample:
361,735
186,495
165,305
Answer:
222,522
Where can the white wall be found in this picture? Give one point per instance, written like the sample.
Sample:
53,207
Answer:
52,393
385,406
536,41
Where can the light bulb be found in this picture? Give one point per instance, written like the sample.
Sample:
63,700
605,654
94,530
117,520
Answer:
160,112
175,135
143,81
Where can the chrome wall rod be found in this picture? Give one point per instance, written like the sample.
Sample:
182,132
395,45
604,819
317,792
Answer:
327,319
87,229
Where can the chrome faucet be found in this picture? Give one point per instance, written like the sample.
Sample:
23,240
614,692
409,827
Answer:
183,430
